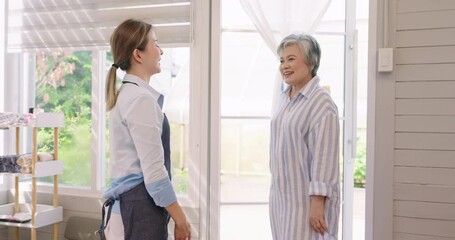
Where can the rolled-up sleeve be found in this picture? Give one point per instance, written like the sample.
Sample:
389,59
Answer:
324,151
144,119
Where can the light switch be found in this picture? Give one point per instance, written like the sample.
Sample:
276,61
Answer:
385,60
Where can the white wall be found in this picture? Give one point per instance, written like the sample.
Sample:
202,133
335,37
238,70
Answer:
424,164
379,188
411,154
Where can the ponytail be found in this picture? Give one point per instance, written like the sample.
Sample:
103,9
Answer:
111,91
129,35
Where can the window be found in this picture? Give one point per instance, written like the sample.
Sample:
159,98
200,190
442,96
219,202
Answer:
63,83
248,70
173,83
2,78
247,78
62,64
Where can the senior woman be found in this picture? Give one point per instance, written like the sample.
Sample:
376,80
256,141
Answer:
304,149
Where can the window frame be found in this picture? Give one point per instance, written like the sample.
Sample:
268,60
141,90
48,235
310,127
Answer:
3,179
98,129
348,123
198,144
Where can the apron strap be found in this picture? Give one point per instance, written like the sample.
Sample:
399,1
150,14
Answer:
108,204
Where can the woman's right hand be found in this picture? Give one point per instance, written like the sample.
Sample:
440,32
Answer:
182,231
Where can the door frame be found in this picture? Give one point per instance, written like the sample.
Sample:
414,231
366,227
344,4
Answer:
211,223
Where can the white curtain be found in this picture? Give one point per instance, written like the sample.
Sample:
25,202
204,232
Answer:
274,20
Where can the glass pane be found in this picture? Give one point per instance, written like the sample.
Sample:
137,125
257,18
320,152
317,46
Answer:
234,16
173,83
63,83
331,70
107,66
334,18
248,74
245,222
245,175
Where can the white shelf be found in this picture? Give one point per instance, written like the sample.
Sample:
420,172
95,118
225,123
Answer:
47,120
41,120
48,168
45,215
43,169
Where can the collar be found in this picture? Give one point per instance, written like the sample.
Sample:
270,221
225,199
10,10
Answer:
307,90
142,84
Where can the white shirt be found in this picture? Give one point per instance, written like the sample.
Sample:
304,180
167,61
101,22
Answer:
136,150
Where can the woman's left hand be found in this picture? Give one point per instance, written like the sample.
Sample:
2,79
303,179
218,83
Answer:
317,219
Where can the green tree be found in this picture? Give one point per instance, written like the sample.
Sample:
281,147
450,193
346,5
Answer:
63,84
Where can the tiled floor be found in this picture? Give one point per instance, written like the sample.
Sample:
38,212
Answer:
251,222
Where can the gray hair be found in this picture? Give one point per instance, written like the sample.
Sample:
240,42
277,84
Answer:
311,51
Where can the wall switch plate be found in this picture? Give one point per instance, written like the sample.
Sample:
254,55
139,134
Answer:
385,60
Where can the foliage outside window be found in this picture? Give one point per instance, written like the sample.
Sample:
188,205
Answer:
360,164
63,84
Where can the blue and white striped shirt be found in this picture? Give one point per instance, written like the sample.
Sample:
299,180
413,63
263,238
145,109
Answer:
304,161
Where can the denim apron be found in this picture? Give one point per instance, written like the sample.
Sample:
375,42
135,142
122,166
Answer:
142,218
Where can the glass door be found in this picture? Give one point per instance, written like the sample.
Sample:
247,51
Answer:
248,70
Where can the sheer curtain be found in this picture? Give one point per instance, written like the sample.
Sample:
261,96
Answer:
274,20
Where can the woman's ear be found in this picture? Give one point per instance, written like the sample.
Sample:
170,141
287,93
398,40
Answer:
137,57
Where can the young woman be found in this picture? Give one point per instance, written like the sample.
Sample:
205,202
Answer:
140,194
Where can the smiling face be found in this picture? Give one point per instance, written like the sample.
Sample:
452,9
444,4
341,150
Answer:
152,54
293,67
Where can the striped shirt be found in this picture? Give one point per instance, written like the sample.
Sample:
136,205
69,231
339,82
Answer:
304,161
136,150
